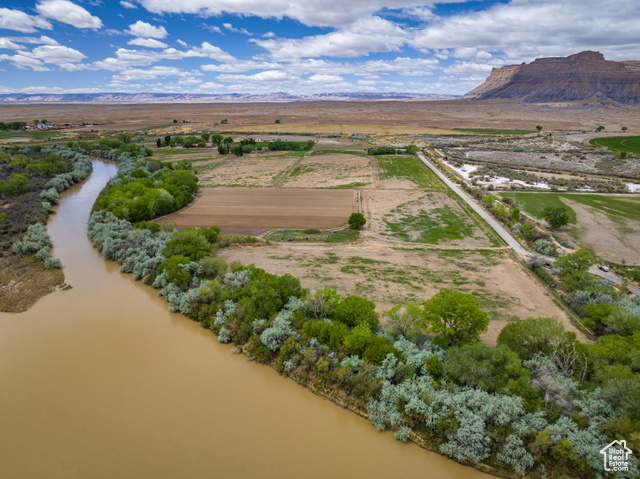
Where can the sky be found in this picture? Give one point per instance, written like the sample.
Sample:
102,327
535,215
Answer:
295,46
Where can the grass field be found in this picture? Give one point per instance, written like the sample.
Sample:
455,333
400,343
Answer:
628,144
434,226
315,236
627,207
31,135
494,131
410,168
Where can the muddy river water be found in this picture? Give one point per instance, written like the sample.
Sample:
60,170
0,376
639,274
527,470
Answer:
101,381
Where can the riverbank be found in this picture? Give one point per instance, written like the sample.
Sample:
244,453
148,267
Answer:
25,280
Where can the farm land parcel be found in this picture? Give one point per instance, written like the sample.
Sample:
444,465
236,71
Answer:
609,224
418,239
258,210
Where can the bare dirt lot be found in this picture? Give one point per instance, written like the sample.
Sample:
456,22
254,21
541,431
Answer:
614,240
257,210
391,275
331,171
348,117
248,170
421,217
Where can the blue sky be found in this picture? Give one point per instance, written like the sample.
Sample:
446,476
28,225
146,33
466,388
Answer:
310,46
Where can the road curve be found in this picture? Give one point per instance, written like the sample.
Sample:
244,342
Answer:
505,235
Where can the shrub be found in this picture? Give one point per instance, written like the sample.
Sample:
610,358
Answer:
357,221
354,310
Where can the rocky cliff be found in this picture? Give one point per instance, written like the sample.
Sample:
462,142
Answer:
583,76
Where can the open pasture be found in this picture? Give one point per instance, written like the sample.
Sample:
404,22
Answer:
250,170
392,275
257,210
402,171
331,171
608,224
418,216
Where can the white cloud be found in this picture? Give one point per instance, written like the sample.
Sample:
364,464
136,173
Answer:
126,4
326,79
68,12
231,28
135,58
65,57
311,13
371,34
525,29
57,54
24,62
137,74
146,30
21,22
6,44
212,29
147,42
180,42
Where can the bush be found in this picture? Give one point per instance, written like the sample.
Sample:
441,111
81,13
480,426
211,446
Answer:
357,221
381,150
354,310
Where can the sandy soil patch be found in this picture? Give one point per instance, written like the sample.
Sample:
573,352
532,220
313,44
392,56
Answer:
406,215
330,115
330,171
390,276
612,240
248,170
257,210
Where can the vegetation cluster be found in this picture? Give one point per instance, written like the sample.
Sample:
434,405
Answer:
539,402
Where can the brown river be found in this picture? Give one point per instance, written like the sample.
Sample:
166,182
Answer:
102,381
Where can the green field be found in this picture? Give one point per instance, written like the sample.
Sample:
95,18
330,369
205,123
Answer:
494,131
436,225
31,135
628,144
408,167
182,151
616,207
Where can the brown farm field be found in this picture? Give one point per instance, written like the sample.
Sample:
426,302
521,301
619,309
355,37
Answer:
257,210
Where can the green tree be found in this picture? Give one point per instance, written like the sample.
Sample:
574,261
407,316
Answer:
624,128
580,260
213,267
600,128
539,128
205,136
358,339
167,140
159,143
527,227
189,243
354,310
237,150
124,138
455,317
357,221
556,217
534,335
406,319
176,273
484,367
216,139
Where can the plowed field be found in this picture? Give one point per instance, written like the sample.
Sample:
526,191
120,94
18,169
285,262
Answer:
257,210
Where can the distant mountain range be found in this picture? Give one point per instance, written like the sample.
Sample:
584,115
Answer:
209,98
583,76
